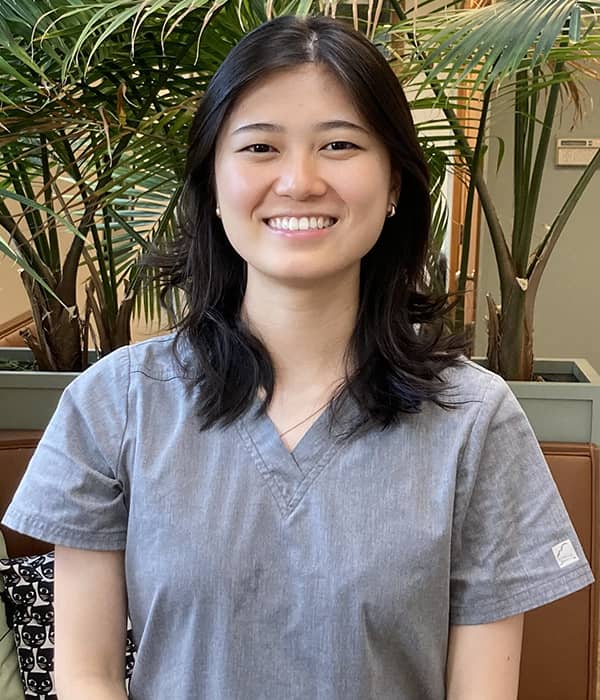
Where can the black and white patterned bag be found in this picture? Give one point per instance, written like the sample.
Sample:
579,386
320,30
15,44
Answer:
29,601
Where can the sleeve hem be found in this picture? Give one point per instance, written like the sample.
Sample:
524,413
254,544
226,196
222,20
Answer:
523,601
63,535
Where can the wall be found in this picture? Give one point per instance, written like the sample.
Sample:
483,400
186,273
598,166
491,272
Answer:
13,300
567,322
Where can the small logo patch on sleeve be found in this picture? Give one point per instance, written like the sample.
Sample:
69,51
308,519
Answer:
565,553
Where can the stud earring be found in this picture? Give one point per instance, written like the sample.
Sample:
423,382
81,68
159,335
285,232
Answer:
391,210
218,211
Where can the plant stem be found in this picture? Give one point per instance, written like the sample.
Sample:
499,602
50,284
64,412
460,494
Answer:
522,129
545,249
502,253
51,227
468,223
524,236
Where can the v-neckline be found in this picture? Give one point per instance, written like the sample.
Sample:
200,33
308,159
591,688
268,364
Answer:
288,474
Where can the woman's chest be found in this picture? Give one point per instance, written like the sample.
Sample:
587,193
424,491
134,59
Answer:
233,527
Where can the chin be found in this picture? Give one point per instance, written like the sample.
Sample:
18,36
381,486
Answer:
307,278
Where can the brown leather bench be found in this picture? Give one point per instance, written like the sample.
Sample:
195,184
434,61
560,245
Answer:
560,643
16,448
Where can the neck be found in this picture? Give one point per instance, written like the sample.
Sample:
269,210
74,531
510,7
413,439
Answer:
305,329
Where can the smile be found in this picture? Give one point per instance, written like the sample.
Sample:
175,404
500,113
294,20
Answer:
302,223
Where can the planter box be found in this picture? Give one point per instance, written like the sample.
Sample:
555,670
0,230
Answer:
28,399
561,411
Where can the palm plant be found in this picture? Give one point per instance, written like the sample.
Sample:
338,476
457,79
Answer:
95,102
531,53
90,163
63,183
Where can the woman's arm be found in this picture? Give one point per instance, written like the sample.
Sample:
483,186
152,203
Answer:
483,660
90,624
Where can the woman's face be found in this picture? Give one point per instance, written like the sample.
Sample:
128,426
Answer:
303,184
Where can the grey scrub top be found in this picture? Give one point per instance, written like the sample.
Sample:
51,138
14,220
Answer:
332,573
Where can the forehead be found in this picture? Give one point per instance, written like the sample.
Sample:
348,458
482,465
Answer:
295,97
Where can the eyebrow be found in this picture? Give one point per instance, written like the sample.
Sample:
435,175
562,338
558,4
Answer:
321,126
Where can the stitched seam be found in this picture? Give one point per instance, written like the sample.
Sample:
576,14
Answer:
565,578
299,466
311,476
460,470
475,421
48,528
265,472
158,379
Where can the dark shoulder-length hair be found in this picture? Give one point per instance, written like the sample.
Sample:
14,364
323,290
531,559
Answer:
398,350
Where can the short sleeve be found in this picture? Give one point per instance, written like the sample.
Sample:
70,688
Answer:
71,493
513,545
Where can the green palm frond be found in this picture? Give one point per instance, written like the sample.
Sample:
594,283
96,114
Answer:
96,100
492,43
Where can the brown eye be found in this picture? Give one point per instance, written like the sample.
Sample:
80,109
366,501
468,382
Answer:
340,146
259,148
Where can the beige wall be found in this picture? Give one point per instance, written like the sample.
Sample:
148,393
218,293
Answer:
567,322
13,300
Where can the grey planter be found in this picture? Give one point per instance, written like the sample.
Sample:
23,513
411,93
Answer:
562,411
28,399
559,411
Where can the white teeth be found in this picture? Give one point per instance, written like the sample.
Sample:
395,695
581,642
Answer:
304,223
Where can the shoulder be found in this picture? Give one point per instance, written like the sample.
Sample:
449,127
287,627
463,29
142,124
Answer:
484,406
469,382
158,358
128,368
472,400
161,358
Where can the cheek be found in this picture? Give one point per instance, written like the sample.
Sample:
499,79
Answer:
367,199
239,189
237,197
367,185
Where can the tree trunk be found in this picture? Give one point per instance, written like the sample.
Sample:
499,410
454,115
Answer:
57,345
510,339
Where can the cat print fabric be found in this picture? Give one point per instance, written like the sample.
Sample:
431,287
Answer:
28,597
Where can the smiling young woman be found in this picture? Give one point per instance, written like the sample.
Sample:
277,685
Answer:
306,492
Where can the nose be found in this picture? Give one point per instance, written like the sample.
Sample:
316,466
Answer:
299,177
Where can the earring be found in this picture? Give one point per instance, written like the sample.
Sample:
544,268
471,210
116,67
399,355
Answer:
391,210
218,211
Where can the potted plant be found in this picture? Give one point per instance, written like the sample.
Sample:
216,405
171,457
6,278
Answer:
90,159
531,54
95,103
89,73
